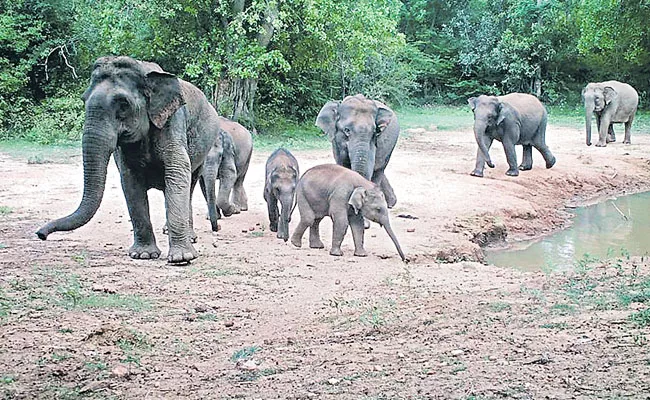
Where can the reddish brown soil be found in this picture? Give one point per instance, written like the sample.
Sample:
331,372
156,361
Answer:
79,319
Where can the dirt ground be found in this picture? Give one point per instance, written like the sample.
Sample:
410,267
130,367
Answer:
257,318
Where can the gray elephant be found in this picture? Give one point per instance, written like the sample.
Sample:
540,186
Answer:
228,161
159,129
516,118
612,102
345,196
282,175
363,133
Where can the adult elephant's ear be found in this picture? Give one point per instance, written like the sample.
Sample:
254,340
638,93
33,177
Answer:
384,116
609,93
472,102
327,118
505,111
164,95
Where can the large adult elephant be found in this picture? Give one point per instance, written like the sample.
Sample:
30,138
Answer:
363,133
612,102
159,129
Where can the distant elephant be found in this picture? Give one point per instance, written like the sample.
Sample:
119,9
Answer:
159,129
346,197
363,133
613,102
282,175
515,118
228,161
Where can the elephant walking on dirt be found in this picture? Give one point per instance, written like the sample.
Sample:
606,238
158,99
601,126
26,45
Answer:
513,119
612,102
159,129
282,175
346,197
228,161
363,133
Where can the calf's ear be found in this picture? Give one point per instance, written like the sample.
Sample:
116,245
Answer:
357,198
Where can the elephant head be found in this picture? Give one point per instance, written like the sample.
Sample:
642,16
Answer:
371,203
125,100
596,97
489,113
283,184
353,126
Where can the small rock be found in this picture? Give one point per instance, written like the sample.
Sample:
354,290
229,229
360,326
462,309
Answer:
457,352
291,340
377,368
400,355
410,230
190,317
244,230
251,229
337,282
248,365
333,381
230,323
201,308
120,371
93,386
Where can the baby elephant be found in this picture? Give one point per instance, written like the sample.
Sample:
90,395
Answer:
228,161
347,198
515,118
281,178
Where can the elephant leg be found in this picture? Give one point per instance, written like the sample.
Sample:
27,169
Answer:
527,162
307,218
356,226
628,130
195,178
178,178
340,227
480,160
380,179
207,180
314,235
511,157
603,130
546,153
274,213
239,194
144,242
611,136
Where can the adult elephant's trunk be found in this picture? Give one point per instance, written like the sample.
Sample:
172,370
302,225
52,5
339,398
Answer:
479,132
390,232
286,201
589,112
97,146
361,159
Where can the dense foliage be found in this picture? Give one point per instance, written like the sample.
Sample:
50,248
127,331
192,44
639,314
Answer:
264,61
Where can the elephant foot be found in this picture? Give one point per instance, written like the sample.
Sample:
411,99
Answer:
627,142
230,210
601,144
611,139
550,163
316,244
336,252
296,241
477,173
360,253
282,236
144,252
273,227
366,224
181,253
512,172
523,167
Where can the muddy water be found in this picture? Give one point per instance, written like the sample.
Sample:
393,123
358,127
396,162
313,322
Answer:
599,231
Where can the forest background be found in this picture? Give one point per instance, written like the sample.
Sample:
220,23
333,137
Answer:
274,63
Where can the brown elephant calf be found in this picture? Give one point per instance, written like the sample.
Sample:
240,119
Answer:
346,197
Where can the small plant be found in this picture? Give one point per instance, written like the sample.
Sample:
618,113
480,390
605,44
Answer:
95,366
555,325
244,354
38,159
500,306
641,318
80,258
563,309
7,379
4,210
374,317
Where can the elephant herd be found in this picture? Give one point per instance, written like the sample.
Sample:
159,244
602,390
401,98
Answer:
163,133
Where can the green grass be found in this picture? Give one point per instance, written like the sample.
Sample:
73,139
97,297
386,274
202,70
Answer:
500,306
641,318
443,117
244,354
4,210
72,294
305,136
555,325
34,153
574,117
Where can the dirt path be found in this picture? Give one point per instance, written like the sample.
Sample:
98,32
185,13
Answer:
255,317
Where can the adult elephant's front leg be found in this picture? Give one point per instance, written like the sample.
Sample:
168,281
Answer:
511,157
144,242
480,159
380,179
178,177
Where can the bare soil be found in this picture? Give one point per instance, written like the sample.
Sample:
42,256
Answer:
255,317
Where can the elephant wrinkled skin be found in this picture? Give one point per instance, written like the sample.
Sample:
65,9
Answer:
345,196
612,102
282,175
159,130
513,119
228,161
363,133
